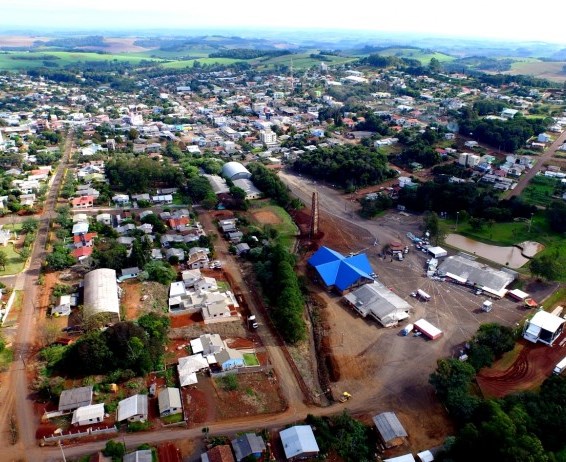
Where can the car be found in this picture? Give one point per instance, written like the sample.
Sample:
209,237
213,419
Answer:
414,294
478,291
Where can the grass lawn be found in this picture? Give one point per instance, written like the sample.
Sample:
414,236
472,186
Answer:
557,298
250,359
421,55
539,191
223,286
171,419
189,63
14,263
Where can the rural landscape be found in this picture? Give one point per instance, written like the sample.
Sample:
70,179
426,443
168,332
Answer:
262,245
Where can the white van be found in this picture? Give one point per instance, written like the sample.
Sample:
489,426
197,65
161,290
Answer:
560,367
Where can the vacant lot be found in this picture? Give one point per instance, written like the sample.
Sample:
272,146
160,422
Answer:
277,218
540,190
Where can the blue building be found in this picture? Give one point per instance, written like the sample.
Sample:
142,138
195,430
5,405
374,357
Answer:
339,272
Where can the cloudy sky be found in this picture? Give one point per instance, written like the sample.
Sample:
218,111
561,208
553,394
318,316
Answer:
478,18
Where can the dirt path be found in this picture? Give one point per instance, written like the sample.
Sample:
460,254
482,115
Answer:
14,394
544,157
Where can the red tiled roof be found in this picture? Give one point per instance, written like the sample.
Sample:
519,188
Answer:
87,237
82,252
220,454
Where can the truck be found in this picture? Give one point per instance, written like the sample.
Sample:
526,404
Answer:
252,323
560,367
344,397
407,330
423,295
487,306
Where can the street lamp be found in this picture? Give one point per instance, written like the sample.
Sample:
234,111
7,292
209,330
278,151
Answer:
457,216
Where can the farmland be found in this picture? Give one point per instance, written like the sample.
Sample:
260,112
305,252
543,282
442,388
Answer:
551,70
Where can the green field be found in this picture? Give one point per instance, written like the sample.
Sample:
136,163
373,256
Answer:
551,70
287,228
189,63
540,190
59,59
423,56
301,61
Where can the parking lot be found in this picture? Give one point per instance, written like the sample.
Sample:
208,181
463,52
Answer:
386,371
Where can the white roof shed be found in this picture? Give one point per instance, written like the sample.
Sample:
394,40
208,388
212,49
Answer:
298,441
101,293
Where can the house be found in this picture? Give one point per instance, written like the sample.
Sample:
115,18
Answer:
229,359
129,273
206,284
121,199
389,429
248,444
82,253
198,258
543,327
74,398
299,442
210,344
141,455
242,248
132,409
339,272
84,240
27,200
172,252
219,307
508,113
162,199
82,202
235,237
169,401
221,453
80,228
190,277
104,218
156,254
189,366
88,415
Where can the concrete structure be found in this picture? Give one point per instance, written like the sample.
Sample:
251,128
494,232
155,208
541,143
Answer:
235,171
380,303
299,442
101,293
389,429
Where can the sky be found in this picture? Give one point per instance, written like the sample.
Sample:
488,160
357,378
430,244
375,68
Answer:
479,18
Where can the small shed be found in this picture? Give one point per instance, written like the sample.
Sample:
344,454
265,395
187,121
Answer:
299,442
390,430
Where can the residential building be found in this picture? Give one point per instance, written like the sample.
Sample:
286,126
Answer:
169,401
133,409
299,442
88,415
74,398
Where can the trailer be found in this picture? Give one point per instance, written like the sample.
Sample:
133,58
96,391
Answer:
423,295
427,329
517,295
559,367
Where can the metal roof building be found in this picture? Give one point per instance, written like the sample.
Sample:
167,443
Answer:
379,302
248,444
235,171
339,271
390,429
543,327
133,408
101,293
299,442
75,398
478,274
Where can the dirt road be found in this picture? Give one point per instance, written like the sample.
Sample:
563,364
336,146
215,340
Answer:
14,395
544,157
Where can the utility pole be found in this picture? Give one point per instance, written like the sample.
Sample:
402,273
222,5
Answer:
62,452
457,216
530,222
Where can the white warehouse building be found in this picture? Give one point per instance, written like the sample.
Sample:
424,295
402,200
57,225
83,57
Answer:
235,171
101,293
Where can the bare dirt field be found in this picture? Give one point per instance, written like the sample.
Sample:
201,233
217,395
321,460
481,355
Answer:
266,217
531,366
19,40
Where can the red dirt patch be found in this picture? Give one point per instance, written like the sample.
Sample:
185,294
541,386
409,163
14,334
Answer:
533,365
184,320
240,343
131,298
266,217
168,452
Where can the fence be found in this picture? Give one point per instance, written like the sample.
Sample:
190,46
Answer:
242,370
79,434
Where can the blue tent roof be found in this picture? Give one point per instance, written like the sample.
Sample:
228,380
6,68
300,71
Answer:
337,270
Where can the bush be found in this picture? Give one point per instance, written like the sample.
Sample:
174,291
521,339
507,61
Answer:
229,382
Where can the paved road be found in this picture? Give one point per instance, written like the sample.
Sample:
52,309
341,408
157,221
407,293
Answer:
544,157
14,396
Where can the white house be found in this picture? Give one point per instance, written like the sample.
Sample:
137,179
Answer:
169,401
132,409
88,415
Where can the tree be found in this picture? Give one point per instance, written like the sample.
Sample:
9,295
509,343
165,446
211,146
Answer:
114,449
161,272
451,374
30,225
3,259
435,227
60,258
547,266
556,214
